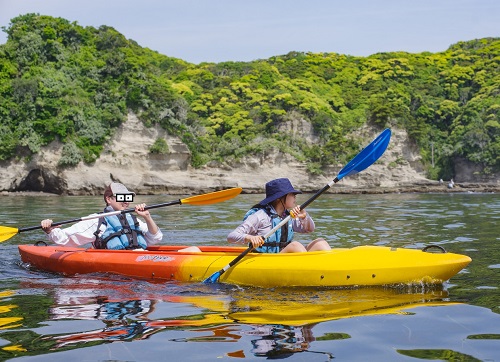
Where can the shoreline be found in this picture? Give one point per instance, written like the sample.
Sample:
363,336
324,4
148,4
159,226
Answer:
341,189
424,189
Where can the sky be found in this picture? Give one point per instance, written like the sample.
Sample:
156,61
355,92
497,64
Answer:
245,30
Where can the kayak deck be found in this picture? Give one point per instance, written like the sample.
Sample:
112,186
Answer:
358,266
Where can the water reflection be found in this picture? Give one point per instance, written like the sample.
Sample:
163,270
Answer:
6,309
280,340
9,319
277,322
123,320
267,340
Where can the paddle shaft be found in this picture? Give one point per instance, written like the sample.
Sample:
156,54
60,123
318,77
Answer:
198,200
281,223
96,216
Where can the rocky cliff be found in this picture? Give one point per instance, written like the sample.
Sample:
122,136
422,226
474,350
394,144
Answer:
127,159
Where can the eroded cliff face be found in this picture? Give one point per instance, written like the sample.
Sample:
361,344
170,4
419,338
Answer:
127,159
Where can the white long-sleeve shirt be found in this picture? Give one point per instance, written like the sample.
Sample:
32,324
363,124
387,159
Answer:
82,233
259,223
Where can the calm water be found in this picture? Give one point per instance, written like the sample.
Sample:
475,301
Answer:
45,317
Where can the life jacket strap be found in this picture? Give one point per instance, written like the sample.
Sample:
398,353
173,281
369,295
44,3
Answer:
284,231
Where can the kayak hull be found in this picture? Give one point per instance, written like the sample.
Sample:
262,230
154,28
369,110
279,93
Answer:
358,266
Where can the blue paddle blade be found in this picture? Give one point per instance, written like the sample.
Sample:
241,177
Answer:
367,156
212,278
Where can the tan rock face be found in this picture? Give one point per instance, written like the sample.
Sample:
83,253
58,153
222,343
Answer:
127,159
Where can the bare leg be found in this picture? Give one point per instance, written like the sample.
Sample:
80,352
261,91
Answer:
294,247
190,249
318,244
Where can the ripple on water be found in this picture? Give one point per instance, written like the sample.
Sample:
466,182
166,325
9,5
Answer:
463,239
454,226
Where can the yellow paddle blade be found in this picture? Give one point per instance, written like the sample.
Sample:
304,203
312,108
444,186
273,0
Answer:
212,197
7,232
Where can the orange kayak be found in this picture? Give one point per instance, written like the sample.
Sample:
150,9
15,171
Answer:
358,266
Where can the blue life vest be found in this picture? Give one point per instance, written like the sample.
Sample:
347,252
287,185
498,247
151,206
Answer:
280,239
122,232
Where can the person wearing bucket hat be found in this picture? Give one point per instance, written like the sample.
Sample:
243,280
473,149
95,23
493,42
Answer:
123,231
278,188
263,217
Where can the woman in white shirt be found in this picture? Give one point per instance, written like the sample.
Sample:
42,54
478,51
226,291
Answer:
117,196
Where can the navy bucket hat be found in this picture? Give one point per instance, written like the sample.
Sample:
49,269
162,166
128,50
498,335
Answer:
278,188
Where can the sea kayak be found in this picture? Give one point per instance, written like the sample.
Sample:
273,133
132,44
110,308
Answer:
358,266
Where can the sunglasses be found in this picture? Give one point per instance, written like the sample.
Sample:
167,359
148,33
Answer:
124,197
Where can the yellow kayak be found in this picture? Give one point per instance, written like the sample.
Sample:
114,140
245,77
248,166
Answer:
358,266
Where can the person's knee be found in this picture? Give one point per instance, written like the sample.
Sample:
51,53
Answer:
190,249
294,247
318,244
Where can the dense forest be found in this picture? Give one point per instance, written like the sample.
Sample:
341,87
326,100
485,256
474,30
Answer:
61,81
